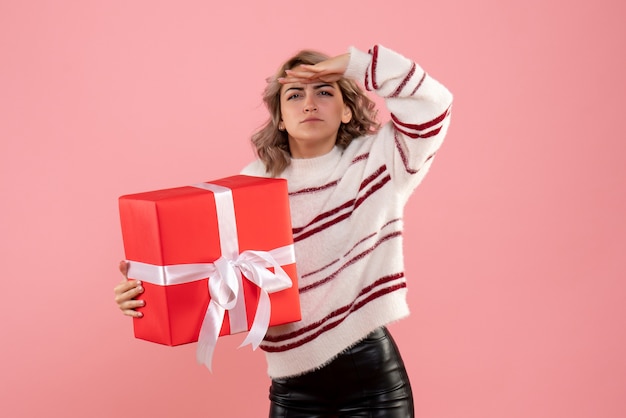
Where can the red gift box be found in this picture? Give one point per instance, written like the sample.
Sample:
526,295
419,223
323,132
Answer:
188,243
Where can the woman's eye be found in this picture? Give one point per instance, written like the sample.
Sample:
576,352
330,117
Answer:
293,96
325,93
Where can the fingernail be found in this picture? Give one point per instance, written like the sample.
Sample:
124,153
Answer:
140,315
138,282
139,289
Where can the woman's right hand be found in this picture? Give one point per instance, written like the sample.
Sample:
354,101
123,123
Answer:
126,291
328,71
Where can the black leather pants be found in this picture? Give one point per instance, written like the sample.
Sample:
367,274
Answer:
367,380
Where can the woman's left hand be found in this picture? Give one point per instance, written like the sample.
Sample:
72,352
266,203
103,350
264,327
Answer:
328,71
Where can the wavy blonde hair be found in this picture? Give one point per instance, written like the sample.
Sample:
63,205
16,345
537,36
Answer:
272,145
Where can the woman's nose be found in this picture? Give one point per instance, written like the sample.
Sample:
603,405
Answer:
309,105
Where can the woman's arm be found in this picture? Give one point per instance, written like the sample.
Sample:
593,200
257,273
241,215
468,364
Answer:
419,105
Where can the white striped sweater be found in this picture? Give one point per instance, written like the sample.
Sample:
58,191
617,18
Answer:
347,208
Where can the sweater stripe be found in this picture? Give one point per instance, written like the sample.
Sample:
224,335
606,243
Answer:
367,289
360,158
335,261
354,247
331,325
303,232
373,67
362,240
372,177
368,294
402,85
353,260
419,84
421,126
413,135
328,185
372,190
325,215
322,227
315,189
403,155
405,158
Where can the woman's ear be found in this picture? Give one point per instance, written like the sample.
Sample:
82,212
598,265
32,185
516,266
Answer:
347,114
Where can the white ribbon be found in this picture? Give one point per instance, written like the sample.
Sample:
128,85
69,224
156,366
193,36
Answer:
225,280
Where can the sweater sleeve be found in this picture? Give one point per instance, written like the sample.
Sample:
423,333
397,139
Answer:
419,105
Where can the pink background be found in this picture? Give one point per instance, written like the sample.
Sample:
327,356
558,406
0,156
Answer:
515,242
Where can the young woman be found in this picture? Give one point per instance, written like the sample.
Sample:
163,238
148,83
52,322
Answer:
348,181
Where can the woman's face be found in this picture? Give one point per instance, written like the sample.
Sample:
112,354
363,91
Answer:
311,114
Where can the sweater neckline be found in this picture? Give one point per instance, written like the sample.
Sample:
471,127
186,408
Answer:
324,162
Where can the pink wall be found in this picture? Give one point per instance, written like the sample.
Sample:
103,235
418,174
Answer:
516,242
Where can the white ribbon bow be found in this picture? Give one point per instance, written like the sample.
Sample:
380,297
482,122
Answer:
225,288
